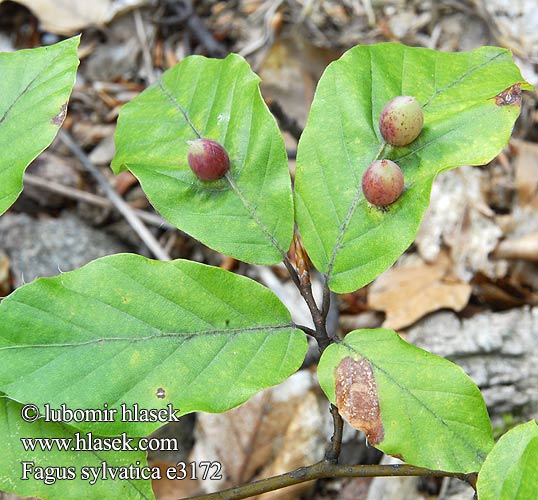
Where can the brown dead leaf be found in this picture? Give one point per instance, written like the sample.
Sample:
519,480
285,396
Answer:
290,73
66,17
103,153
526,173
524,247
284,81
409,291
228,263
525,274
90,134
302,445
172,489
505,293
5,274
276,431
124,181
354,302
355,489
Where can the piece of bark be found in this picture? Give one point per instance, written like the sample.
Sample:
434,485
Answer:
499,351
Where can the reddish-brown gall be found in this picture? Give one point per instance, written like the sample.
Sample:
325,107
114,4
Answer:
207,159
382,183
401,120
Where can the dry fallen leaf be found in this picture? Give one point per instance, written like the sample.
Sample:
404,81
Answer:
303,444
66,17
411,290
505,293
290,72
524,247
5,274
103,152
276,431
526,173
172,489
124,181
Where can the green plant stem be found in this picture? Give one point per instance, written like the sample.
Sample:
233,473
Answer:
326,304
305,289
301,282
307,330
323,470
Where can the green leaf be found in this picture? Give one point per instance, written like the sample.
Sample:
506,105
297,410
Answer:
409,402
248,214
34,91
13,429
509,472
125,329
349,240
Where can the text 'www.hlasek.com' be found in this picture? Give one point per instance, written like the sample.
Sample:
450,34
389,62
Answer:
69,448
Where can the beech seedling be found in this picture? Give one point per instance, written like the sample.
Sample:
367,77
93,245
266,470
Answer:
208,159
401,120
382,183
138,336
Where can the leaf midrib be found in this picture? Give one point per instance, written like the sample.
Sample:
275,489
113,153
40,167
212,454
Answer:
162,335
30,83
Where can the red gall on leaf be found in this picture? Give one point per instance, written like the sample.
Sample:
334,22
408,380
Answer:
207,159
401,120
382,183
